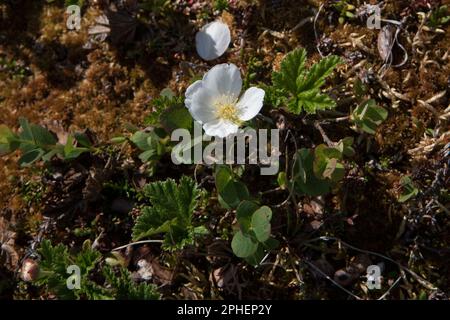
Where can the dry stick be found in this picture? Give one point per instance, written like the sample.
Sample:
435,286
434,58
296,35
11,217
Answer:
389,290
334,282
302,23
338,285
334,120
324,135
297,274
136,243
315,30
421,280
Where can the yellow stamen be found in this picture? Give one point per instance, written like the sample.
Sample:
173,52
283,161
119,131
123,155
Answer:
226,110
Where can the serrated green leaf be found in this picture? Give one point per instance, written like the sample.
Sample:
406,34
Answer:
316,76
124,288
177,117
292,67
303,85
170,212
313,100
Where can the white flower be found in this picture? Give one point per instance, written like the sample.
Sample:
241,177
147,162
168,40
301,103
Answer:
214,101
212,40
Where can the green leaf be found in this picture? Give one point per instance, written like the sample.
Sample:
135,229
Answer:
261,223
53,258
140,138
233,193
34,136
271,244
282,180
345,147
244,214
409,189
243,245
53,273
83,139
368,116
313,100
42,136
305,181
148,155
170,212
149,142
124,288
118,140
316,76
223,175
256,258
8,140
49,155
72,152
177,117
30,157
303,85
292,67
325,161
27,134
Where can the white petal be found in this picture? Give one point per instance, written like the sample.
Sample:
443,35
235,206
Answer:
190,91
200,103
224,79
220,128
212,40
250,103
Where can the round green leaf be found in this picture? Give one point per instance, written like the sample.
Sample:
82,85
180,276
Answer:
261,223
244,214
243,246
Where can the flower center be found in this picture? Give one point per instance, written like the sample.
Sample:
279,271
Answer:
226,109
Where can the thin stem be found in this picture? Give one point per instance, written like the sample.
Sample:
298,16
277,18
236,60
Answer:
136,243
324,135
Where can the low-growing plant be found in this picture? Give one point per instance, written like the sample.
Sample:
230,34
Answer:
53,274
300,88
409,190
253,237
170,213
316,171
368,116
439,17
345,9
37,143
230,190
